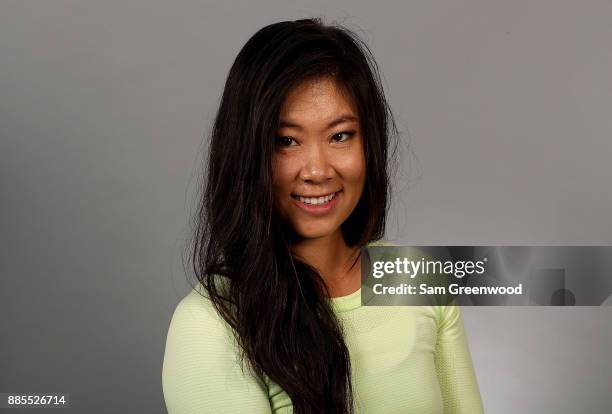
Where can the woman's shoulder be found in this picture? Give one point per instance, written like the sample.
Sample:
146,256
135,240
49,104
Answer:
196,312
197,331
202,367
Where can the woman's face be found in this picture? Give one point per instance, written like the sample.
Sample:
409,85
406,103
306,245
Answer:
319,163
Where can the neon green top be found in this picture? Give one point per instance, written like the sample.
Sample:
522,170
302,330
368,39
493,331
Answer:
404,359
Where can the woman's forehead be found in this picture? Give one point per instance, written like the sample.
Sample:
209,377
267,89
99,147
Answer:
316,101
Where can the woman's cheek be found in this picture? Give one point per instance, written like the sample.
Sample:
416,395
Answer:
352,166
278,171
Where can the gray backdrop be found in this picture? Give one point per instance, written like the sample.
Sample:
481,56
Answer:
504,108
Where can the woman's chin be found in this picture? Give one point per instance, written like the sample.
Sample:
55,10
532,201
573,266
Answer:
316,233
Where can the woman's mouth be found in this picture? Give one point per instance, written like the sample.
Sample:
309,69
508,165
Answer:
316,203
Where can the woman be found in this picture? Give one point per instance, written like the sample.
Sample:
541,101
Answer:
297,183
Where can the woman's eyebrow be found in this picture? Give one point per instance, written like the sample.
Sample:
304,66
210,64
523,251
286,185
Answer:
284,123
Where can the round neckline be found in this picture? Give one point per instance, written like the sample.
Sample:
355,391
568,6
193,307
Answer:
347,302
353,300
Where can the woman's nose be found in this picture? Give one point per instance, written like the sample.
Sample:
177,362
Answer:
316,167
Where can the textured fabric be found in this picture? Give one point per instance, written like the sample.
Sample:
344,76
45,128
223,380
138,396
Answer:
404,360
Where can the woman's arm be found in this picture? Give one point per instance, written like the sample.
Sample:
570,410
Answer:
201,371
454,365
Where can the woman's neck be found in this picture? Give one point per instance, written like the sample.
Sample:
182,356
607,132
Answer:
337,263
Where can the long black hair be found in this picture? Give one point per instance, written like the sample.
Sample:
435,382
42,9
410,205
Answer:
277,305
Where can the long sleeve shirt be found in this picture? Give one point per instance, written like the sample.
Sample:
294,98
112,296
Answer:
404,359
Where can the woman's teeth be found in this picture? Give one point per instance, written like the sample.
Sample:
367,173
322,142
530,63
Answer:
317,200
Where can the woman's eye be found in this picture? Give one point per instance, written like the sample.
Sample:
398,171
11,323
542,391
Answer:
342,136
285,141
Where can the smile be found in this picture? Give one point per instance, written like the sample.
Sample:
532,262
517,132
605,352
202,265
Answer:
316,204
319,200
